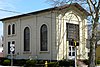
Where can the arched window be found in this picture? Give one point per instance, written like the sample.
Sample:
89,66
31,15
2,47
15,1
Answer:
9,29
26,39
13,29
43,38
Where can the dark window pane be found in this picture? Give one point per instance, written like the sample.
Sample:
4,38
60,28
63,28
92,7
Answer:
13,42
73,54
70,48
73,48
9,29
8,47
26,39
43,38
69,53
72,31
13,29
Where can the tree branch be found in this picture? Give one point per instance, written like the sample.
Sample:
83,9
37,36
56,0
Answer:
90,8
98,7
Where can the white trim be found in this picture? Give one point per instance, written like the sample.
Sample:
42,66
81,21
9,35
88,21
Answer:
15,29
11,29
11,43
70,57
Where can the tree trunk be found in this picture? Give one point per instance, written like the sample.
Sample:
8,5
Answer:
92,54
93,42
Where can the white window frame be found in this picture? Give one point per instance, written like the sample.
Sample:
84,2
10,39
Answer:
11,43
71,51
11,29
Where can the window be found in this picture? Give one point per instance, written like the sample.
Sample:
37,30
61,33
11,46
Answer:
8,47
13,28
71,49
26,39
72,31
9,29
9,43
43,38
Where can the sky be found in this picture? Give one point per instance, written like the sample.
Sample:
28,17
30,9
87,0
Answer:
20,6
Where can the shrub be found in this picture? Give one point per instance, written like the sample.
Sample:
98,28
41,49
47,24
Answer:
6,62
98,61
30,62
66,63
71,62
86,62
53,64
19,62
63,63
1,60
41,62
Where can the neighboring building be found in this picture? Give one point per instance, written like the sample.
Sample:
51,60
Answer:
1,47
97,52
46,34
98,43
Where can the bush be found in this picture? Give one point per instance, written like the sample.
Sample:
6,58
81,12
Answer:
86,62
41,62
66,63
98,61
2,60
30,62
71,62
53,64
19,62
6,62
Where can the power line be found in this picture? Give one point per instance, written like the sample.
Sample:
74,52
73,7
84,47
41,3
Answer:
9,11
27,14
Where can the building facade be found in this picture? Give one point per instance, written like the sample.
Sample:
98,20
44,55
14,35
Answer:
46,34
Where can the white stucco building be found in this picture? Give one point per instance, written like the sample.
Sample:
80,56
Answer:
45,34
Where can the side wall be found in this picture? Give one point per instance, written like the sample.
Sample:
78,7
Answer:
34,22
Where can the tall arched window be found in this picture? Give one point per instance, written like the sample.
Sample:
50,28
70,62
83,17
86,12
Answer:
26,39
9,29
43,38
13,29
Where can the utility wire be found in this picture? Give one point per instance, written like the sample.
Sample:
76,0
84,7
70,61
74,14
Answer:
28,14
9,11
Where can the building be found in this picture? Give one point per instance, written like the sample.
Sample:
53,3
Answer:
97,52
1,47
47,34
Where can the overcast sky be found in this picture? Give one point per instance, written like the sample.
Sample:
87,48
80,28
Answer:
21,6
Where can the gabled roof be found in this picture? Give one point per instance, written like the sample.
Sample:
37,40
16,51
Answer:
49,9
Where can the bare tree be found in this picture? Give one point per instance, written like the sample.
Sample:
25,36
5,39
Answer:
93,7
